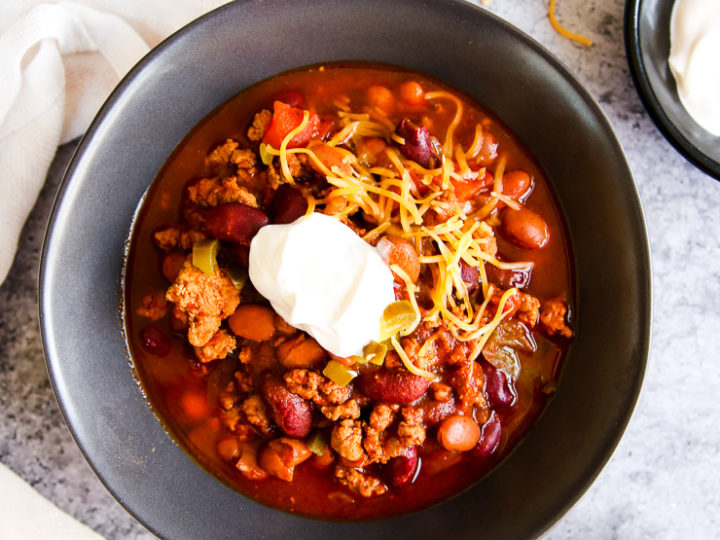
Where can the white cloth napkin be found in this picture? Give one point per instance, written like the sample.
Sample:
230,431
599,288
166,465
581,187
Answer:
26,515
58,63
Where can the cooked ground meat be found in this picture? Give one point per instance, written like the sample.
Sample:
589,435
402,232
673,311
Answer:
349,409
206,300
210,192
260,123
256,412
553,315
153,306
346,439
362,484
219,346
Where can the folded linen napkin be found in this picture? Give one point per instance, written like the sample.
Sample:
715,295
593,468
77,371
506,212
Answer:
25,514
59,61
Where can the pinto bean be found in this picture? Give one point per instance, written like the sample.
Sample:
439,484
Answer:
396,250
459,433
412,93
382,98
234,222
229,448
287,204
417,142
154,341
280,457
525,228
253,322
515,184
402,469
393,385
490,438
291,413
301,351
488,150
247,463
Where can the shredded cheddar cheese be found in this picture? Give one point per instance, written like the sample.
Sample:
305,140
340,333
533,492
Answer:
396,198
563,31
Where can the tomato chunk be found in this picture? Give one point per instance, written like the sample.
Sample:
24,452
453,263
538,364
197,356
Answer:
466,190
285,118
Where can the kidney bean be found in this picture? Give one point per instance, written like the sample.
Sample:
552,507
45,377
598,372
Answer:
525,228
393,385
291,413
403,469
287,204
396,250
253,322
232,254
417,142
234,222
490,438
459,433
470,275
292,97
515,184
508,278
500,390
154,341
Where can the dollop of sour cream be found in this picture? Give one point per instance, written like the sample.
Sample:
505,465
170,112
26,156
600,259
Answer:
322,278
695,59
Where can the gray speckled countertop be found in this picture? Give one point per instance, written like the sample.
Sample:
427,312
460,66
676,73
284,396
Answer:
663,480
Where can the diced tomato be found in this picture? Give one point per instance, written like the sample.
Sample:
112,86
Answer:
286,118
422,189
464,191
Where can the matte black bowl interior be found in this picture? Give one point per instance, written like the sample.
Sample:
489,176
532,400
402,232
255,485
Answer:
647,42
205,64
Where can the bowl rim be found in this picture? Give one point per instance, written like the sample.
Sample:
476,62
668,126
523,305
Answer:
48,337
657,113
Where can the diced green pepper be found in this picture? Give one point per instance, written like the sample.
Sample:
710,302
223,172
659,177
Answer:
338,373
204,255
317,443
374,353
238,276
265,156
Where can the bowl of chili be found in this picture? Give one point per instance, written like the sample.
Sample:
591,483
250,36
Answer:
177,87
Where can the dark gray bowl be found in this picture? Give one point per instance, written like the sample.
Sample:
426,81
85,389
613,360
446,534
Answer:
647,43
202,66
